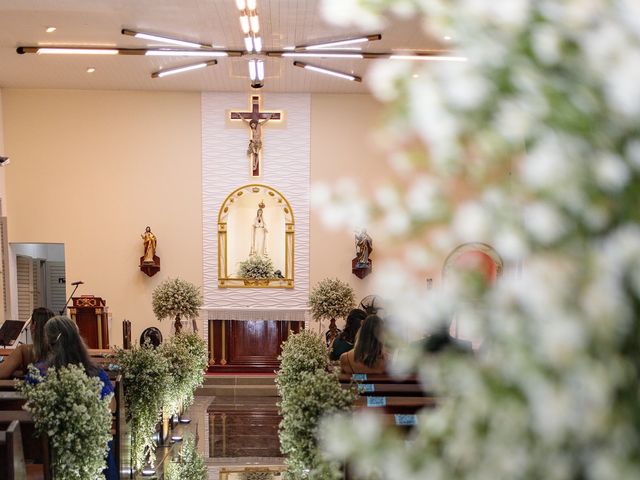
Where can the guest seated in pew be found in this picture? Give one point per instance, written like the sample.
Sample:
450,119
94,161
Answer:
23,355
344,342
66,347
440,340
368,354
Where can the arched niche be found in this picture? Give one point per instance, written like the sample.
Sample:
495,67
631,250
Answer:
476,256
235,220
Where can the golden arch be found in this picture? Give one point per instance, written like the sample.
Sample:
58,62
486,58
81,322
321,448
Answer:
277,200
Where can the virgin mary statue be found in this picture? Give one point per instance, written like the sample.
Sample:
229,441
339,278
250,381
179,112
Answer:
259,234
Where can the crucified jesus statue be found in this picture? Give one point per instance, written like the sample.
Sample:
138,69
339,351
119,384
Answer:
255,142
255,120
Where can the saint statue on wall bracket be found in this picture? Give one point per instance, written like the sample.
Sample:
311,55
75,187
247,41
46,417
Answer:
149,262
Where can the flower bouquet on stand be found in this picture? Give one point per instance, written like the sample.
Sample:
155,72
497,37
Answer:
331,299
177,298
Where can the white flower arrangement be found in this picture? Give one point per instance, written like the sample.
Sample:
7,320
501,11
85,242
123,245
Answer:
66,406
256,267
331,299
308,391
189,465
550,94
176,297
146,381
186,354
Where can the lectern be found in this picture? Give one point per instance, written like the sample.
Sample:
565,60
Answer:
90,314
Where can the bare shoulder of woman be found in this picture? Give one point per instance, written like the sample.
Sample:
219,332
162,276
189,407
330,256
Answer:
13,362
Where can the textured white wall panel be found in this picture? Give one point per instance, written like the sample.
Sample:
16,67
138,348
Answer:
286,164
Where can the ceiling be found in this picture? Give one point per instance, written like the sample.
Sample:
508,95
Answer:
99,22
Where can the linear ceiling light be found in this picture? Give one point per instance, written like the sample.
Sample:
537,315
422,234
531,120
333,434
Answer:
340,43
251,4
256,70
241,4
186,53
254,23
313,68
257,44
244,24
248,44
319,55
260,70
186,68
75,51
432,58
159,38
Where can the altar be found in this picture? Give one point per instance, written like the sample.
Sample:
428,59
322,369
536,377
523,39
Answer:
248,340
254,219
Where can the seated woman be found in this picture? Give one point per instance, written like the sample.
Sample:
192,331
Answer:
368,355
66,347
23,355
344,342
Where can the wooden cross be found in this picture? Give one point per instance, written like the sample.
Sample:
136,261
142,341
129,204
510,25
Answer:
255,119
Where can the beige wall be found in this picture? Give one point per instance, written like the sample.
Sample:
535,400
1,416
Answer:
343,145
91,169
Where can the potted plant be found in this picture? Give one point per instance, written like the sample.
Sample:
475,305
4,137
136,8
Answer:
176,298
256,271
331,299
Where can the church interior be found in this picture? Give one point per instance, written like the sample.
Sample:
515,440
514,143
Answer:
319,239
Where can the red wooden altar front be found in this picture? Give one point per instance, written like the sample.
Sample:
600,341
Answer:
247,345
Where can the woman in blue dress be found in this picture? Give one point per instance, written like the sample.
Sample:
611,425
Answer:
66,347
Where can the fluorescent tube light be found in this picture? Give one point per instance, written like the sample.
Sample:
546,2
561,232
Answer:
323,55
251,4
186,68
173,41
257,44
432,58
260,70
248,44
241,4
254,23
345,76
252,70
76,51
185,53
244,24
339,43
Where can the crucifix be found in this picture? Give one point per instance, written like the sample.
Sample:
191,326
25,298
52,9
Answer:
255,119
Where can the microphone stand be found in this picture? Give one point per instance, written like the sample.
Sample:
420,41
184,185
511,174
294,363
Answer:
69,299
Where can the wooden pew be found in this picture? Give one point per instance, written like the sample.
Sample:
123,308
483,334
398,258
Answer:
35,448
12,466
376,378
11,409
401,405
389,390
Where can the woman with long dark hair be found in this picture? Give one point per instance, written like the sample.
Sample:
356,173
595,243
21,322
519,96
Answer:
344,342
66,347
23,355
368,354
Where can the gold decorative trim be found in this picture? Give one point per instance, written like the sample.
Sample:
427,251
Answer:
223,360
212,355
224,281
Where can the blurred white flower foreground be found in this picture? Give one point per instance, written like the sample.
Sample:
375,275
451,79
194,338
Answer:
542,123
